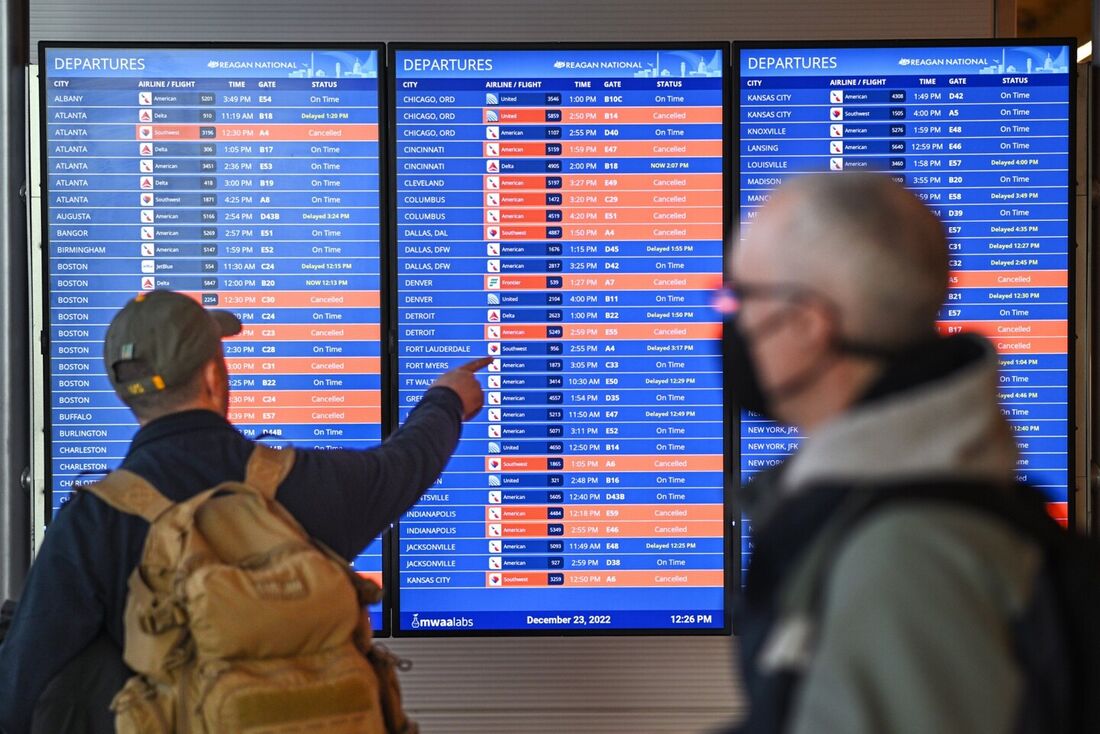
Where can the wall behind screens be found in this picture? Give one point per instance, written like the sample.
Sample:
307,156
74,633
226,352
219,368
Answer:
246,177
982,132
498,21
561,210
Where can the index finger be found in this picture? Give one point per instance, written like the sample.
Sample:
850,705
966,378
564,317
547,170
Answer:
476,364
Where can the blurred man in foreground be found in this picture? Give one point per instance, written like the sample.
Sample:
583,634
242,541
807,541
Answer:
904,621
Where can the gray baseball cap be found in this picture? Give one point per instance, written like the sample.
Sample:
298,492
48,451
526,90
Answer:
171,333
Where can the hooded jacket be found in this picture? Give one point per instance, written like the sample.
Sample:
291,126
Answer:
915,621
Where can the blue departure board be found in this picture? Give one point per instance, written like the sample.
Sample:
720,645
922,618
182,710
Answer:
562,210
982,133
245,177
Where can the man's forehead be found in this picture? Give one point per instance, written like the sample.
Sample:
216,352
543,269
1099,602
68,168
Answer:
755,252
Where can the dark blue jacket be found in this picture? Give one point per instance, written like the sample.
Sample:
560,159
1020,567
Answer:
76,589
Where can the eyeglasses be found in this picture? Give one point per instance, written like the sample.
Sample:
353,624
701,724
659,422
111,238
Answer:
728,299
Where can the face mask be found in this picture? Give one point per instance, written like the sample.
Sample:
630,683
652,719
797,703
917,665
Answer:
748,391
743,378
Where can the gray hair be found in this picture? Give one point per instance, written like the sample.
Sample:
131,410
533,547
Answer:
870,246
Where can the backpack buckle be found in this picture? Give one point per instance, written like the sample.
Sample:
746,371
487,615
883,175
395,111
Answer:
162,618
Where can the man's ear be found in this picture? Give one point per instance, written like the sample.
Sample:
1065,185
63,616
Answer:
212,378
817,325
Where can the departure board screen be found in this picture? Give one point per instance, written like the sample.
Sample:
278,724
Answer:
562,210
245,177
980,132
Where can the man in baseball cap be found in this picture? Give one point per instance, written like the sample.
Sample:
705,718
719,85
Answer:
155,347
170,333
163,356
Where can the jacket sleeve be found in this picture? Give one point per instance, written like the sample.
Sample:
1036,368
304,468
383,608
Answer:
62,608
915,634
347,498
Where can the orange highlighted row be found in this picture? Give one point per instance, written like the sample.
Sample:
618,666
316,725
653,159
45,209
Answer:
649,579
646,332
365,132
671,230
374,576
1036,345
624,149
516,331
1056,343
630,282
516,463
1059,511
306,399
691,198
1006,329
337,332
292,299
616,463
646,463
304,365
653,214
618,182
604,528
617,513
604,115
304,416
1009,279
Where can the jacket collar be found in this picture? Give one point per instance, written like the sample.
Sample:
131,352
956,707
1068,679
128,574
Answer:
949,425
177,423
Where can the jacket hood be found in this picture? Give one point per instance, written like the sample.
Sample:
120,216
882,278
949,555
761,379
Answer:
948,425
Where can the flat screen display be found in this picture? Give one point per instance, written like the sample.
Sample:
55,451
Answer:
982,133
245,177
561,210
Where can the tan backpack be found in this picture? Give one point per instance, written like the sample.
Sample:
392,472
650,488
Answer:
238,621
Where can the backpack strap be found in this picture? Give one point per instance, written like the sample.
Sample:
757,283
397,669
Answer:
129,493
1019,506
801,591
801,595
267,468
